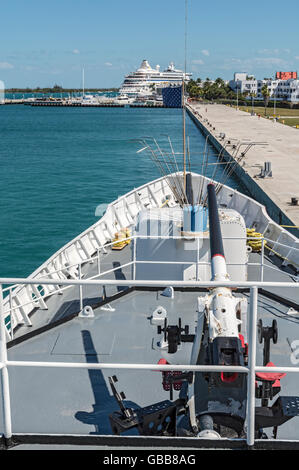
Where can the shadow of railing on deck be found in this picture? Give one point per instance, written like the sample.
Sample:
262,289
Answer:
119,275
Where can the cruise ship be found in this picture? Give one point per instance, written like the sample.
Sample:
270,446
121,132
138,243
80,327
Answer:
144,81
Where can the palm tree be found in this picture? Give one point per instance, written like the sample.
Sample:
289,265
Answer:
266,95
220,82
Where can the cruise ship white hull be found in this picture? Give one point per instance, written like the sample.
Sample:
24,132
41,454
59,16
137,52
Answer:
145,80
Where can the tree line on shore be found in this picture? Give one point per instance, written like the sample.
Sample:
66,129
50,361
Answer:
210,90
220,91
56,89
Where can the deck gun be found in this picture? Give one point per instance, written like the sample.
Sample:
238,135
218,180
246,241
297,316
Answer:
225,345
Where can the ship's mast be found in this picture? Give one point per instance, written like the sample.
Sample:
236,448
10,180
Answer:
83,82
183,97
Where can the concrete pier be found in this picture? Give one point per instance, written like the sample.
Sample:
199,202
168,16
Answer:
15,101
282,150
100,105
66,104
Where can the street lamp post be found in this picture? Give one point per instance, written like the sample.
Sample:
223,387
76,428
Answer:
252,103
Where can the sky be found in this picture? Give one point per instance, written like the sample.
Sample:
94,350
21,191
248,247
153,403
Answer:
45,43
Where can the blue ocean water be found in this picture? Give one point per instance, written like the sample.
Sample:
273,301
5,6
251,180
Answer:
59,164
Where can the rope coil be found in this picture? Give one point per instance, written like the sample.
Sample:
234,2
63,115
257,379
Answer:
255,245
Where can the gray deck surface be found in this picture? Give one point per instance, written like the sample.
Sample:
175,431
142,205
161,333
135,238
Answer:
77,401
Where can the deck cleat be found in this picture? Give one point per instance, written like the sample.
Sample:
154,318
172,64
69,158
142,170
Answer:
158,316
87,312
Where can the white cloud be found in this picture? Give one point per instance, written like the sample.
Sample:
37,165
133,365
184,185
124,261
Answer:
6,66
50,72
260,62
268,61
268,51
205,52
256,64
76,51
274,51
297,57
108,64
198,61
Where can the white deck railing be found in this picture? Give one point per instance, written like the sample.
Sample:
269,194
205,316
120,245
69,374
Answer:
121,213
40,296
250,370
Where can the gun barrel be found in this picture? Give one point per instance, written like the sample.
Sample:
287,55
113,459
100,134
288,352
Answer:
218,263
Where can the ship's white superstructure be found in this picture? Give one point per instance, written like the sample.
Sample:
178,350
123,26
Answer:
144,80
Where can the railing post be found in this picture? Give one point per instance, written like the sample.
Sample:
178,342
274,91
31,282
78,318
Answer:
4,375
11,312
99,262
251,365
134,258
197,259
80,288
262,261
